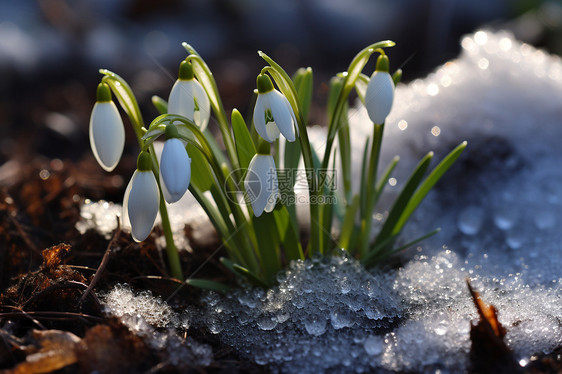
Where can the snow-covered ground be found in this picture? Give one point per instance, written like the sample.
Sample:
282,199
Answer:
500,212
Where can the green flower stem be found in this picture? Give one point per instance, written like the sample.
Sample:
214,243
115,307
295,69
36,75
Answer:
126,98
367,212
171,250
245,238
350,77
245,228
224,228
288,89
129,103
276,152
205,77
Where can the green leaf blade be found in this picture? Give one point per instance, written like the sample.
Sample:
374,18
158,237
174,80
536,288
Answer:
303,81
126,98
288,234
401,202
160,104
244,145
268,245
201,175
428,184
348,225
208,285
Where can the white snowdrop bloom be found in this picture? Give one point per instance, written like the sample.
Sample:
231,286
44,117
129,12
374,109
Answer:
273,114
175,168
189,99
141,200
380,92
261,184
107,133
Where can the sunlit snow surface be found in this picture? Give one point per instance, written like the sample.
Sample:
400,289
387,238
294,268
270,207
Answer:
499,209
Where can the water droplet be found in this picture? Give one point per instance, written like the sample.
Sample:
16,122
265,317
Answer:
373,345
315,325
298,302
214,324
212,298
341,317
282,316
267,323
441,328
505,218
372,312
281,276
544,219
243,317
345,285
246,299
470,220
514,239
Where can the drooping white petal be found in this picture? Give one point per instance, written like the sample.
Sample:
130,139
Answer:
182,99
141,204
274,194
379,96
201,117
261,184
175,170
266,131
280,108
107,134
125,222
290,108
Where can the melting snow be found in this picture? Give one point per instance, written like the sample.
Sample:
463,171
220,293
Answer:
143,313
499,209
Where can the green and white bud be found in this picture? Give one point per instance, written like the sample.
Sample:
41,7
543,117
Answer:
141,200
107,133
189,99
175,167
380,92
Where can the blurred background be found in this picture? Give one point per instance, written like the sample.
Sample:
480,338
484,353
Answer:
51,50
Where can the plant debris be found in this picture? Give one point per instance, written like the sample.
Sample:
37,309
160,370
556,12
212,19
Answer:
44,327
488,351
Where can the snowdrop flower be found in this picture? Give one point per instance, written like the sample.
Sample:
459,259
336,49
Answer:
107,133
261,182
273,113
189,99
175,166
380,92
141,200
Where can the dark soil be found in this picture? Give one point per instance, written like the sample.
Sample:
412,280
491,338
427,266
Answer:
46,266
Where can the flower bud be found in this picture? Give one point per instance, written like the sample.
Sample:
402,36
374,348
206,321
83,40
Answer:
107,133
175,170
141,200
189,99
380,92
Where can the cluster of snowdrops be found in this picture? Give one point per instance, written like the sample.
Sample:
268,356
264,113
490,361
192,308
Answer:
237,182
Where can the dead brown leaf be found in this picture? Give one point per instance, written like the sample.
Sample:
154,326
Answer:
53,350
